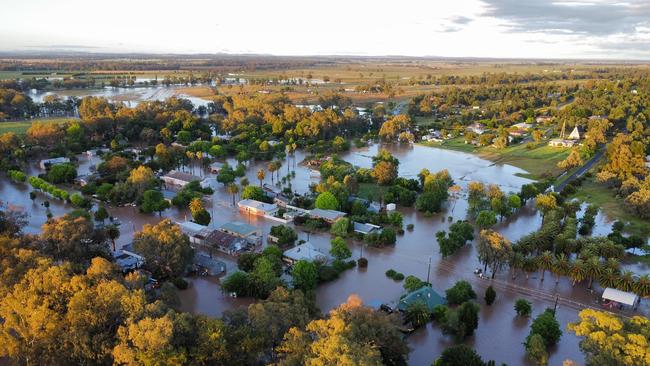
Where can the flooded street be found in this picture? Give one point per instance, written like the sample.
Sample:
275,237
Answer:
500,332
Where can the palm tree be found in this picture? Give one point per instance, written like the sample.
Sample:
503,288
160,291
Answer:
113,233
608,278
612,263
577,271
625,281
642,286
561,266
516,263
278,165
545,262
530,265
233,189
593,269
272,168
261,174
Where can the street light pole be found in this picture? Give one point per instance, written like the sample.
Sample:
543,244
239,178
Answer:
429,270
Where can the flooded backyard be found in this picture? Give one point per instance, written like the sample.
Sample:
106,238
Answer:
500,333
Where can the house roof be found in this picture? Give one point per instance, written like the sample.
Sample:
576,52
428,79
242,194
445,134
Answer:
186,177
306,251
257,205
194,229
239,228
627,298
225,240
365,228
425,294
326,214
58,160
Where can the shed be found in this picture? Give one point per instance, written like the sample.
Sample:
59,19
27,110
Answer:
622,297
327,215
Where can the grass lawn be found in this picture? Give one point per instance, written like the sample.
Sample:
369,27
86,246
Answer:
20,127
597,194
371,191
536,161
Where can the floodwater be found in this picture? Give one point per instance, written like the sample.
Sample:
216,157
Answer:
130,96
500,332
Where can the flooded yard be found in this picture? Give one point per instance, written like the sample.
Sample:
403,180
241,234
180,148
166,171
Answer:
500,332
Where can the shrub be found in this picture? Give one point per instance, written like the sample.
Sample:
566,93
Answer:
362,262
459,293
409,227
390,273
523,307
439,313
490,295
17,176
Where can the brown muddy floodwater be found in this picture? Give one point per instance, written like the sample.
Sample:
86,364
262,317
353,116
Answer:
500,333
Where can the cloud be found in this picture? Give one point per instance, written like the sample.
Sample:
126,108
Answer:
455,24
593,18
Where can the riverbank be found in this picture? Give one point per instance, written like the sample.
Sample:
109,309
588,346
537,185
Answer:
538,159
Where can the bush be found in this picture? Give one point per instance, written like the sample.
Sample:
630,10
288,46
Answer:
180,283
546,326
17,176
459,293
523,307
439,313
413,283
398,276
409,227
362,262
490,295
390,273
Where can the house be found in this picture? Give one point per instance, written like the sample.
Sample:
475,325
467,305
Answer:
197,233
617,297
425,294
305,251
46,163
543,119
576,134
522,126
226,242
242,230
477,128
257,207
216,167
128,262
327,215
207,265
365,228
561,143
370,205
178,179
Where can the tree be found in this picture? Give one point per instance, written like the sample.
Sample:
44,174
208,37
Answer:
261,174
73,238
493,250
341,227
327,201
523,307
62,173
573,160
459,355
486,219
545,262
141,178
339,249
101,214
547,327
254,193
285,235
412,283
153,201
233,190
384,172
417,313
536,350
459,293
166,250
305,275
113,232
545,203
462,321
352,335
490,295
612,341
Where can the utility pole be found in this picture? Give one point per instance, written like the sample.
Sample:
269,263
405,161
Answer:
429,270
557,297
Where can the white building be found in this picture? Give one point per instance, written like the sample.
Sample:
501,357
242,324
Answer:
306,251
179,179
257,207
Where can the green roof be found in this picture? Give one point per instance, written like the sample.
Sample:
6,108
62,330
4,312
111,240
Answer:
425,294
239,228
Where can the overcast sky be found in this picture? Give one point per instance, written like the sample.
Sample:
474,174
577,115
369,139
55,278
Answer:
617,29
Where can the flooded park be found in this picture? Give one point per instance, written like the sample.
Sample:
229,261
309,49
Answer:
500,331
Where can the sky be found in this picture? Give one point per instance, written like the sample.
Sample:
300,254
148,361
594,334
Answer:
587,29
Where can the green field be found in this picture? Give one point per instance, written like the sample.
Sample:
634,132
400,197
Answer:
606,199
20,127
